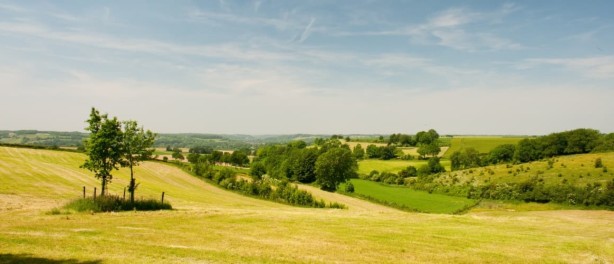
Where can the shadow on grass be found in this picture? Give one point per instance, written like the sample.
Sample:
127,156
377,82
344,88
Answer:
29,258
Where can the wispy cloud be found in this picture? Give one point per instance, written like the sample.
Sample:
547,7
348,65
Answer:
449,28
228,51
307,31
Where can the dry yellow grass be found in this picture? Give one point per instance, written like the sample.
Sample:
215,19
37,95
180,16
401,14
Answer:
214,225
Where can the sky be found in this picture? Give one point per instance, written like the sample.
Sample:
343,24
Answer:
284,67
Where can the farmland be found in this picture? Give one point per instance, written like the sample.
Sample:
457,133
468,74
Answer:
213,225
394,166
410,199
482,144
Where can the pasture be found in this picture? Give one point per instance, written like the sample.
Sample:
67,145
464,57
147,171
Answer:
409,199
394,166
483,144
213,225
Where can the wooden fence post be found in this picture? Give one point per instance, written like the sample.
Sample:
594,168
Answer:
83,192
162,197
124,193
94,193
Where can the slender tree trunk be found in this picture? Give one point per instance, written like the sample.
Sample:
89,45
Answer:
132,184
104,185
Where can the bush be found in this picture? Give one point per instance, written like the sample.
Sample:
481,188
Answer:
598,163
349,187
111,203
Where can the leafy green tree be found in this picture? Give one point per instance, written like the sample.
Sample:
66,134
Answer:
373,151
103,147
410,171
431,149
334,167
456,160
304,166
432,167
239,158
359,152
137,146
528,150
257,170
193,157
387,152
502,153
177,155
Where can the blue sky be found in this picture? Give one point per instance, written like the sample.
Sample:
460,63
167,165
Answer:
276,67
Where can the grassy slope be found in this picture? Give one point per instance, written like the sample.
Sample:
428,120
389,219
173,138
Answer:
212,225
412,199
576,169
481,144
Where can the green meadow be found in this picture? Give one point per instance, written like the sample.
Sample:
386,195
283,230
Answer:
211,225
394,166
483,144
408,199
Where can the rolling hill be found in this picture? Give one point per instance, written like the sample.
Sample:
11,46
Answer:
213,225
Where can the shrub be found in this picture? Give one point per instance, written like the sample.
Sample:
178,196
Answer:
349,187
598,163
110,203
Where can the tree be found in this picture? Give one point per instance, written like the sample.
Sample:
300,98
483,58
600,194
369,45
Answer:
177,155
303,165
387,152
431,149
359,152
239,158
257,170
528,150
373,151
335,166
137,146
103,147
432,167
193,157
502,153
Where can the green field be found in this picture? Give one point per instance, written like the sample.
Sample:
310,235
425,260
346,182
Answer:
411,199
481,144
394,166
213,225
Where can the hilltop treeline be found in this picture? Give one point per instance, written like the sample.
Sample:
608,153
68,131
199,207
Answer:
578,141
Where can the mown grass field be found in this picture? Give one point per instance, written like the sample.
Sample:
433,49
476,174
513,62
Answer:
577,170
213,225
481,144
394,166
410,199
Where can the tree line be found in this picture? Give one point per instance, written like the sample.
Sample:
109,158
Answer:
578,141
